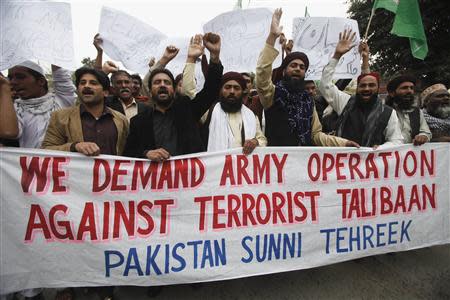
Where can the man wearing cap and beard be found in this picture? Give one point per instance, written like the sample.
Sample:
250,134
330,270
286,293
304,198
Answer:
291,117
436,110
170,127
122,99
412,122
363,117
231,124
34,103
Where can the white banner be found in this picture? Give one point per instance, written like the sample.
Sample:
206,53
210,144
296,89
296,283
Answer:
128,39
36,30
68,220
243,33
318,37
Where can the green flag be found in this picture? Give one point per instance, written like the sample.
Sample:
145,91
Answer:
407,23
390,5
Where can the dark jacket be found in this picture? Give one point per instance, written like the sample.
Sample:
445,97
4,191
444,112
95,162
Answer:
364,124
187,115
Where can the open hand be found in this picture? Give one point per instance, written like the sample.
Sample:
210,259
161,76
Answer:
345,44
196,48
275,28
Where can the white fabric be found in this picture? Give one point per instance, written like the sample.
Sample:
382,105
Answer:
220,134
33,115
33,66
338,100
224,205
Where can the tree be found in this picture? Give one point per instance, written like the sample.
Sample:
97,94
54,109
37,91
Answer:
88,62
392,54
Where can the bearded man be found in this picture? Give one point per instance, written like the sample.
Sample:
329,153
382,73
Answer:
229,123
436,110
291,117
170,127
362,117
412,122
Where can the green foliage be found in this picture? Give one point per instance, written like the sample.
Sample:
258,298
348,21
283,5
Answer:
88,62
392,54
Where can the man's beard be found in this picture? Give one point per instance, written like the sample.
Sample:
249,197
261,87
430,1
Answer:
294,84
439,111
231,104
366,103
164,103
404,102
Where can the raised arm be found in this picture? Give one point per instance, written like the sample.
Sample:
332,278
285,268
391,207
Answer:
263,80
63,85
336,98
364,51
8,119
188,83
99,59
206,97
169,54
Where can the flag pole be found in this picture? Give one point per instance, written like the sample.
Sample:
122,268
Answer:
368,24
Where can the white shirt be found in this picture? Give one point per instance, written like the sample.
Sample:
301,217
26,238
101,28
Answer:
339,99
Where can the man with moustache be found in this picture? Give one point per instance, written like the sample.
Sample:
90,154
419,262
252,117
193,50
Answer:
90,128
291,117
363,118
412,122
122,99
170,127
231,124
436,110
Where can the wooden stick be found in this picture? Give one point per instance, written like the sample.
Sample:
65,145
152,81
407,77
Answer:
368,24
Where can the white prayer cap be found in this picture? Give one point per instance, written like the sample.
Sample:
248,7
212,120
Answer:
33,66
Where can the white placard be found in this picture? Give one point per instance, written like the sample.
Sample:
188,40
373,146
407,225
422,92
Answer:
243,34
36,30
318,37
129,40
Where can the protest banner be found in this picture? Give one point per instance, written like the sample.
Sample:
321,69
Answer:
128,40
318,37
71,220
36,30
243,33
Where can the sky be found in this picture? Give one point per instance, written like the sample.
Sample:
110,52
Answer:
177,18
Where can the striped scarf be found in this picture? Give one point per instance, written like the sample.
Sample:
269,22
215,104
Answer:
299,107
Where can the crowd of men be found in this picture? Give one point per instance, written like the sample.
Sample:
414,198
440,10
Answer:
162,116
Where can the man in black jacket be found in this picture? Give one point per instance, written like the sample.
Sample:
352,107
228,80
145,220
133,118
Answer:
170,128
